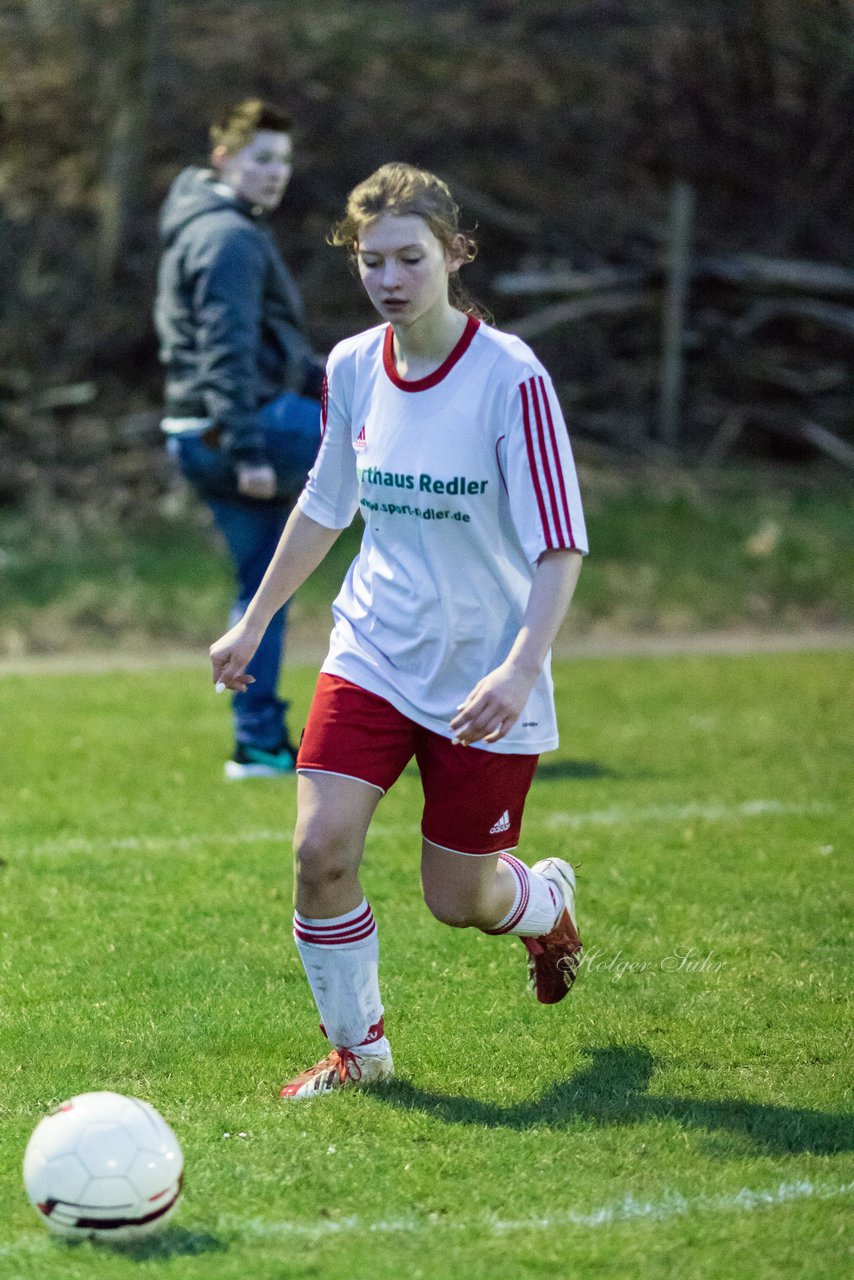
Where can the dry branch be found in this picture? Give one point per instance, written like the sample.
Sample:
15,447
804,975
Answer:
538,322
751,271
830,315
556,280
494,212
819,437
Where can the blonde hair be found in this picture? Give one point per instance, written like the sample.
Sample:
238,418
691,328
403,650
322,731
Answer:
403,190
236,127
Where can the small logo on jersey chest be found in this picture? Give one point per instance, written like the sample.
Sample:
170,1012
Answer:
360,442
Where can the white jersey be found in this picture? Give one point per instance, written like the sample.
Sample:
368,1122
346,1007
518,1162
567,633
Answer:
463,478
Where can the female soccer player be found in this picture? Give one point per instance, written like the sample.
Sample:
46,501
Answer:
448,438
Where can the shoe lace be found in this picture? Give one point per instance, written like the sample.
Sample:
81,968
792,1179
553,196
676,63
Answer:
346,1064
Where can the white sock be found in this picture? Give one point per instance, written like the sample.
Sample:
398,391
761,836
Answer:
536,907
341,959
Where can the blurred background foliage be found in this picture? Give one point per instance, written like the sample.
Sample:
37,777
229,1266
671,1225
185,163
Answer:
564,126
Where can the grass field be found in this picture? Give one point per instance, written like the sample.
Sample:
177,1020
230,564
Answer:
673,553
686,1112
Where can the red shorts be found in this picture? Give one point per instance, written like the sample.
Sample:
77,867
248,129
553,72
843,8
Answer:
473,799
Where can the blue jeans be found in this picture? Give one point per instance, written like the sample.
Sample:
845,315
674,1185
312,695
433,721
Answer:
252,530
291,426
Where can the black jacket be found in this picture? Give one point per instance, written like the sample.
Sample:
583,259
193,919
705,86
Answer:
228,313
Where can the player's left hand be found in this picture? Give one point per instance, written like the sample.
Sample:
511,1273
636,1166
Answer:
493,706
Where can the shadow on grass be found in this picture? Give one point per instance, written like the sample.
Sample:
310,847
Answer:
581,770
612,1091
174,1242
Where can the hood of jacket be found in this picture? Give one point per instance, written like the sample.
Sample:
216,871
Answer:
194,192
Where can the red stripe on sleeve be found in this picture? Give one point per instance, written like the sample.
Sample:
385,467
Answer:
324,406
547,465
532,462
558,467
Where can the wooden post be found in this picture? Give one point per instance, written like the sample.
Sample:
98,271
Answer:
127,86
678,276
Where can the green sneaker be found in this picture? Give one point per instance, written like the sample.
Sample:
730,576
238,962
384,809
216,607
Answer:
255,762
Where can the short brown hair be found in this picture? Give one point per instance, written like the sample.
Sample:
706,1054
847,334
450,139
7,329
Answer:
235,128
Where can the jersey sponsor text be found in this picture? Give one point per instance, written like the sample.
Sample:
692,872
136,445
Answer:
425,482
430,513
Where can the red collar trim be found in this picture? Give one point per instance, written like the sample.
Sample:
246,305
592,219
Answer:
422,384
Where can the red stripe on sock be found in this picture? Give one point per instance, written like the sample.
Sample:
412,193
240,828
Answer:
339,940
522,875
334,926
335,934
375,1033
520,871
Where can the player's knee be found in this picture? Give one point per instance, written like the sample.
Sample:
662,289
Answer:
457,913
322,856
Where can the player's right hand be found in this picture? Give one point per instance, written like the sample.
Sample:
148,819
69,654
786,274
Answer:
256,482
231,655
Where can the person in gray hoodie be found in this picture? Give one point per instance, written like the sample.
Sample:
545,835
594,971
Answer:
243,385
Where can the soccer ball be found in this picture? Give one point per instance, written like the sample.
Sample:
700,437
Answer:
103,1166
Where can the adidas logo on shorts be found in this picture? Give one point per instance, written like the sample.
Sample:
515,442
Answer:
503,824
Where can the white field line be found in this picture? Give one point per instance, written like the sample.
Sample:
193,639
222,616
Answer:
161,844
673,1204
555,821
684,813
